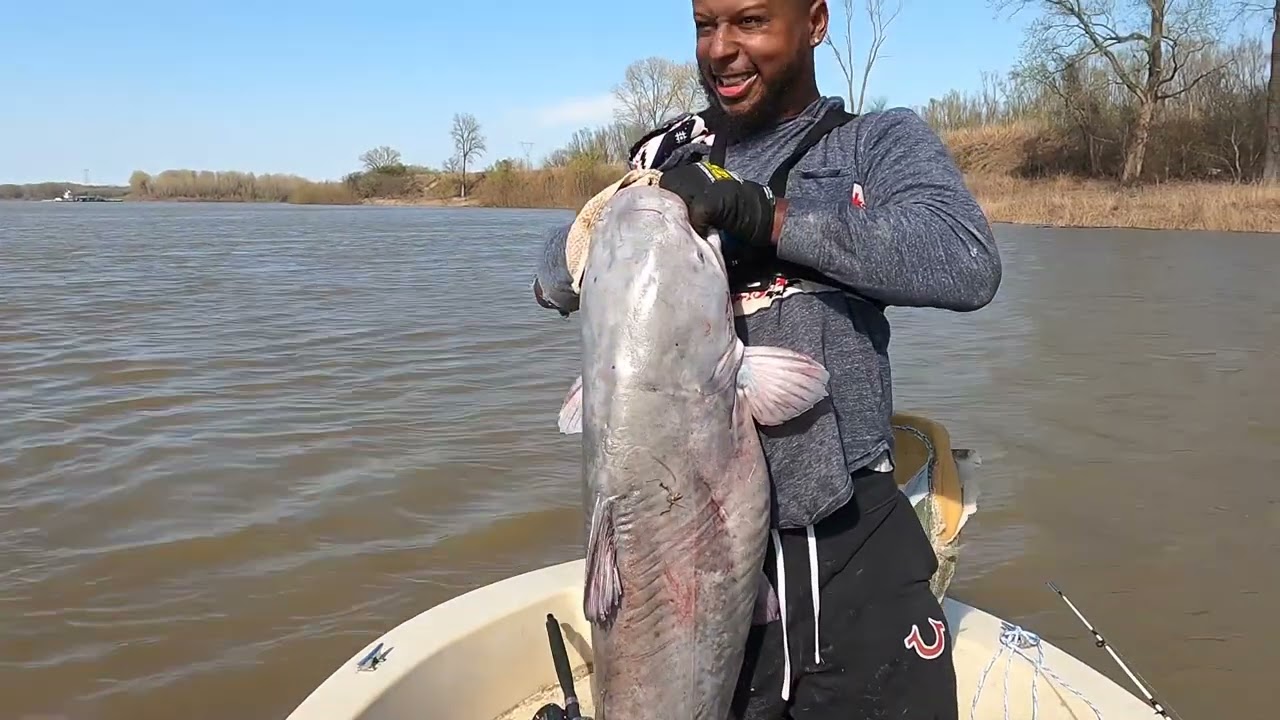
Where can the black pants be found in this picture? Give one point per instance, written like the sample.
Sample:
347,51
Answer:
884,648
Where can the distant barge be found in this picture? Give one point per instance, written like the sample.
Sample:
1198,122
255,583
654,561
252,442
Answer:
68,197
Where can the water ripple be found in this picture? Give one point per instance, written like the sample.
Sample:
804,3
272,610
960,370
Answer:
213,413
238,441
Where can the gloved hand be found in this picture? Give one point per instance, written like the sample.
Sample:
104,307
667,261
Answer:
719,199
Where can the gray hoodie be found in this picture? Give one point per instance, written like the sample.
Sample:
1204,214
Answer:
878,205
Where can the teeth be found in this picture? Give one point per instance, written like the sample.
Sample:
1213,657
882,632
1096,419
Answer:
730,80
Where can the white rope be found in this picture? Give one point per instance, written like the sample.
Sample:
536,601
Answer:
1018,641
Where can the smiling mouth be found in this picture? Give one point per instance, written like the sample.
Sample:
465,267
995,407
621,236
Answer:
732,86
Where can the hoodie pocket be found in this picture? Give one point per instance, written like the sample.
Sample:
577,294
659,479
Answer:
825,172
822,183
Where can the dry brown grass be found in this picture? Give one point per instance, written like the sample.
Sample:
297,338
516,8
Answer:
1072,202
566,187
997,160
995,149
999,163
504,186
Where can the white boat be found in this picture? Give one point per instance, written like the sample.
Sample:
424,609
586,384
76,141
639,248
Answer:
485,655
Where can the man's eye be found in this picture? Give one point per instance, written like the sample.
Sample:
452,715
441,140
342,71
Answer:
753,21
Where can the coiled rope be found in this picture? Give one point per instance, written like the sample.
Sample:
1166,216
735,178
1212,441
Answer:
1018,641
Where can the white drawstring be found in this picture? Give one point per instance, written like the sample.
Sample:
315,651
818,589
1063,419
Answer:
782,611
779,565
813,586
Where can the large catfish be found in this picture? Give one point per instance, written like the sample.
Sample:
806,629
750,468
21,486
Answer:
675,477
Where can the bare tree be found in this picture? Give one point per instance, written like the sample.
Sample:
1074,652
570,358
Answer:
1076,94
879,24
380,158
656,89
1271,160
468,143
1146,61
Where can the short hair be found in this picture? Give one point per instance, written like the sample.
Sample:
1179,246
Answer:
804,5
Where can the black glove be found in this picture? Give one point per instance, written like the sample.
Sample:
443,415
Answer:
719,199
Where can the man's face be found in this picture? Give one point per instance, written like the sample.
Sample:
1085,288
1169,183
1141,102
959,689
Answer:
753,53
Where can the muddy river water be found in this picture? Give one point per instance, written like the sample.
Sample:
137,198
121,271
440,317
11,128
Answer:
237,442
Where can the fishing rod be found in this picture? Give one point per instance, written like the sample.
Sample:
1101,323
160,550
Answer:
1102,643
564,674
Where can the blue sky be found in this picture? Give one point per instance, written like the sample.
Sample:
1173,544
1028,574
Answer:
305,87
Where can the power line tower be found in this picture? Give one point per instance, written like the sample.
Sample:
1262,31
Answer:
527,147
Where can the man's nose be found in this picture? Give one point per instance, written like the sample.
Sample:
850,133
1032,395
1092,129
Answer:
724,44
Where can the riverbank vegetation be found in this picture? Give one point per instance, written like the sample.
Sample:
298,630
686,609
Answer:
1146,120
1095,126
1159,119
1112,132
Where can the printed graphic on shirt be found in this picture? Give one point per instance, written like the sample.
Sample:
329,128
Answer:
930,650
858,200
753,301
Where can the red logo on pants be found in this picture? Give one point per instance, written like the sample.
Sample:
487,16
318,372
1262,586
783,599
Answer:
927,651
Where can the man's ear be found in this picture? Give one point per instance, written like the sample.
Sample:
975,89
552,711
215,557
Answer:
819,17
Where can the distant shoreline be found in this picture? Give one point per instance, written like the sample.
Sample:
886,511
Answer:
1023,173
1071,203
1063,202
1075,204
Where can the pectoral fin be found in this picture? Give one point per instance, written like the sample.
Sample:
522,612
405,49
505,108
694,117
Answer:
603,586
571,411
780,384
766,609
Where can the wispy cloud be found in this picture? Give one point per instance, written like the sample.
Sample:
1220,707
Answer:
577,112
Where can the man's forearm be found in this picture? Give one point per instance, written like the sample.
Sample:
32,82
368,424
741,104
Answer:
552,285
909,255
922,239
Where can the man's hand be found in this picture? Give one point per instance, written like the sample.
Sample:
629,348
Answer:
719,199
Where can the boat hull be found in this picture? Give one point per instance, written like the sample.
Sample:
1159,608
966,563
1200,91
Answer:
484,656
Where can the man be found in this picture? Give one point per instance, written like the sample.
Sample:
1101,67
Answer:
829,218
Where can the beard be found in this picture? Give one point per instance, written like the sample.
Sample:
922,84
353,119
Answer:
764,115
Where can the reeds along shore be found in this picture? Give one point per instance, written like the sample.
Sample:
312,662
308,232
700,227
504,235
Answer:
1021,172
1070,202
996,162
1023,163
1010,168
1006,169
